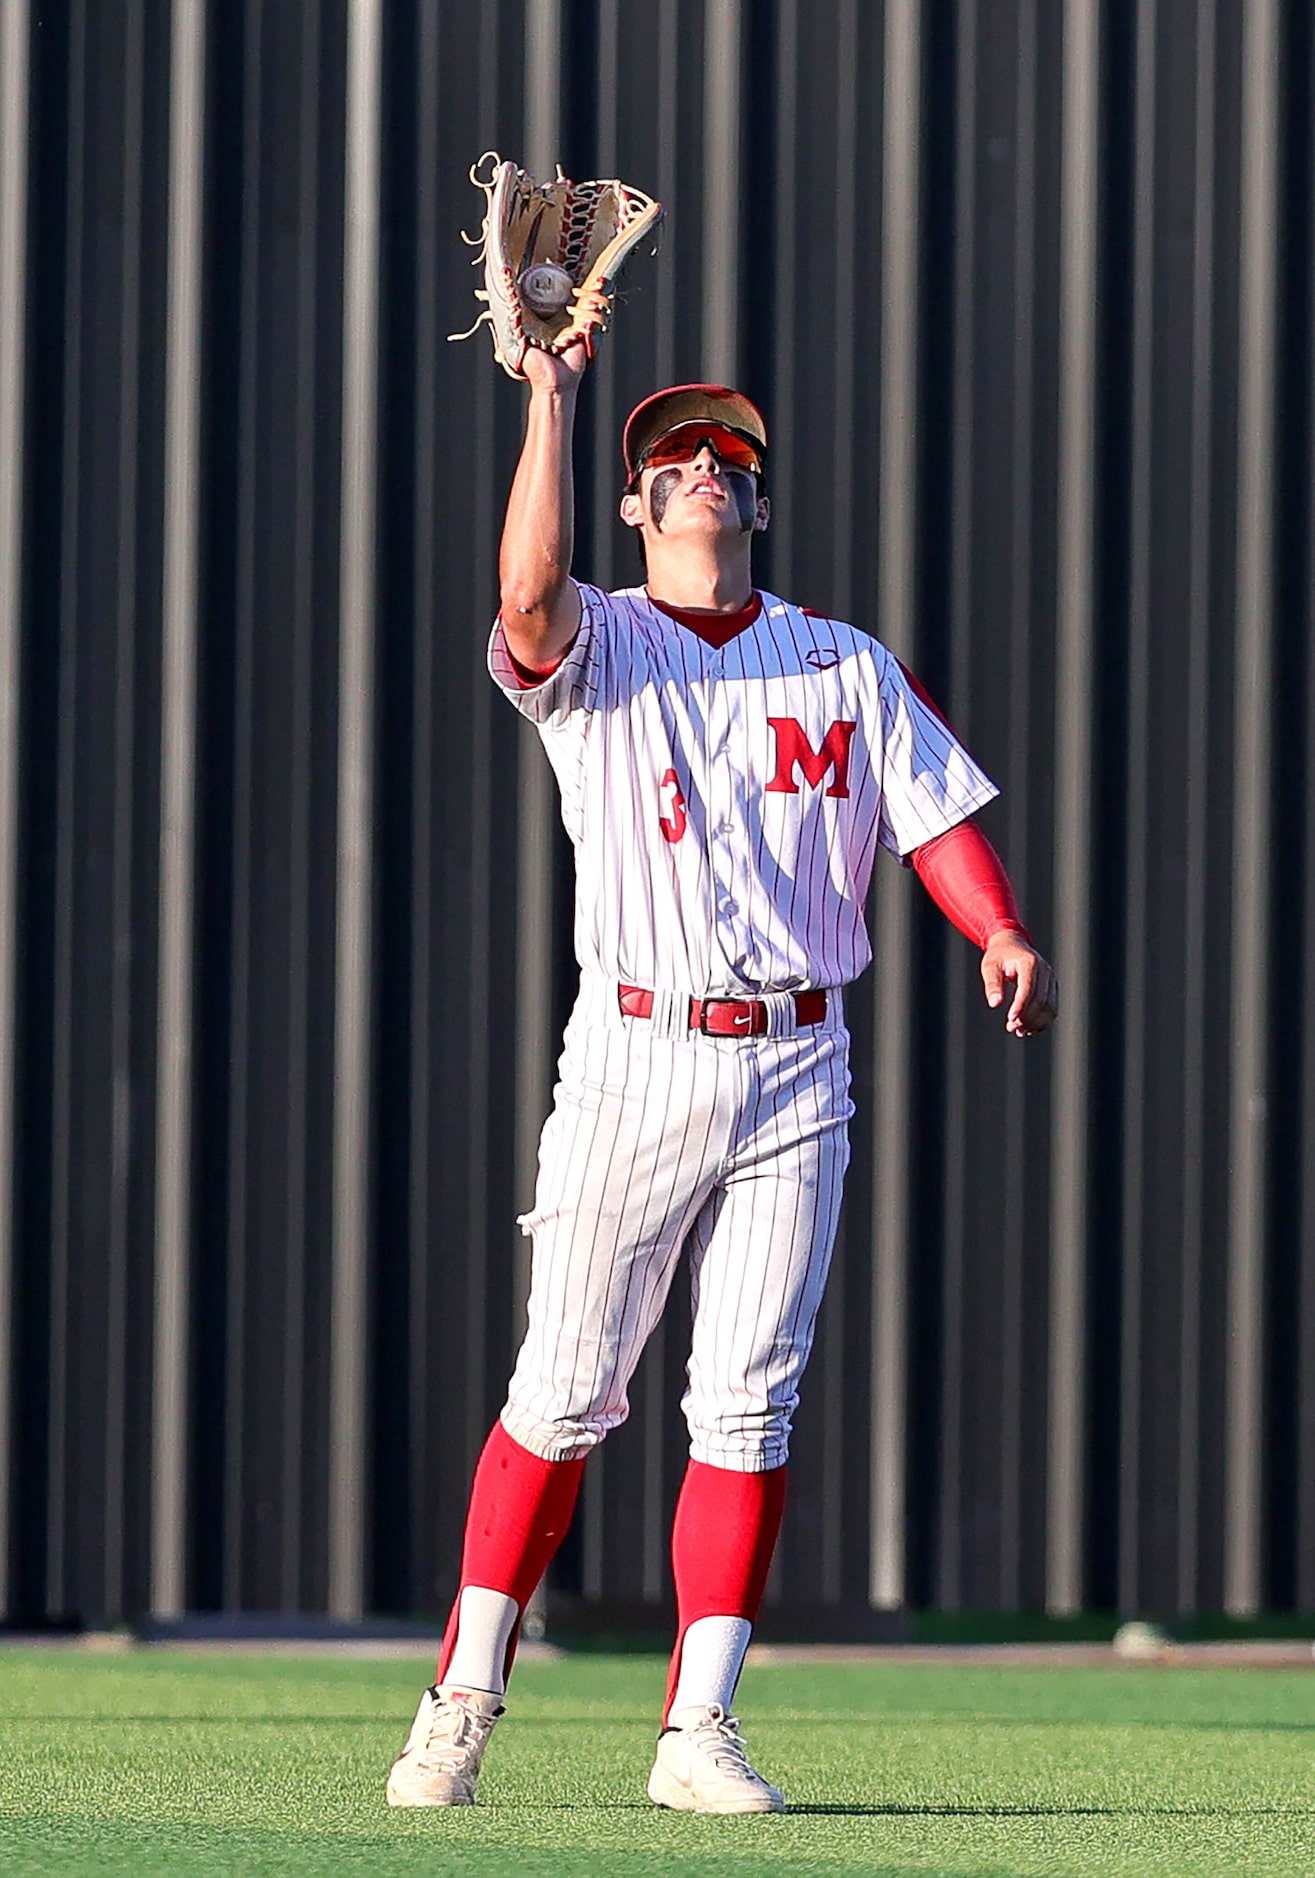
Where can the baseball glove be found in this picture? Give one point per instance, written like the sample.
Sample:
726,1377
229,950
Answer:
551,253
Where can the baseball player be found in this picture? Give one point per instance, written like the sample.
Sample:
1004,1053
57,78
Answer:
729,764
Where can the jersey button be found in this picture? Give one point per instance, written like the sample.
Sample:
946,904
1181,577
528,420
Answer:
729,907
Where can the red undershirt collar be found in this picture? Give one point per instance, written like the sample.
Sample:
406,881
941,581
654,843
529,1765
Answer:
715,629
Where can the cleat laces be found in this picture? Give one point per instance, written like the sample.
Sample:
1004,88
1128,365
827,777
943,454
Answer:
720,1739
453,1730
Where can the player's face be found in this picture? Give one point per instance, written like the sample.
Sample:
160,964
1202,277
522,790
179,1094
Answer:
696,489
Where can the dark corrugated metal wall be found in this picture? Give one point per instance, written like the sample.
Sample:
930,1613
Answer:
284,944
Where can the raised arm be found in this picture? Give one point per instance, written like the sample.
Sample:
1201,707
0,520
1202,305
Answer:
540,604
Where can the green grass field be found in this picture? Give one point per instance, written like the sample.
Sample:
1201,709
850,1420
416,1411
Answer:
156,1762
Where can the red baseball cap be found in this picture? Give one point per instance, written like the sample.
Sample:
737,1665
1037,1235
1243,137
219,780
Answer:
688,404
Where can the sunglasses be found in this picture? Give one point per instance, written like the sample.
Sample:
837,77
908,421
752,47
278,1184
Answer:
731,448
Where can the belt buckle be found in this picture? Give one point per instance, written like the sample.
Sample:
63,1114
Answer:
743,1021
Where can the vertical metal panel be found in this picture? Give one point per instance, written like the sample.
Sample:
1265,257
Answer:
237,1043
85,1530
15,26
124,825
1022,1204
723,189
1074,778
1304,1443
423,1216
62,1164
1253,809
990,670
543,86
485,1222
174,1058
355,908
536,809
1197,809
444,1325
952,1583
1142,516
105,927
833,1419
601,438
897,623
850,326
304,162
785,233
1304,1212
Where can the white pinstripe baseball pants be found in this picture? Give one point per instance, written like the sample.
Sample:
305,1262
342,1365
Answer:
660,1141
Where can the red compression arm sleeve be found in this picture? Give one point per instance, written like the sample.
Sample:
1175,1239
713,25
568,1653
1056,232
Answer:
966,878
526,674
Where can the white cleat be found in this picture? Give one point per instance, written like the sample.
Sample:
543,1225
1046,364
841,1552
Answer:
703,1768
440,1763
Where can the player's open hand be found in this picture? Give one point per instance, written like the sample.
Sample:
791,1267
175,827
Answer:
1010,962
555,371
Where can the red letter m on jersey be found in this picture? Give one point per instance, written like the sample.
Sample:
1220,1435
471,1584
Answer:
793,748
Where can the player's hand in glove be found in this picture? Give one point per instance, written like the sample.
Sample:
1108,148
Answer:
555,371
1009,961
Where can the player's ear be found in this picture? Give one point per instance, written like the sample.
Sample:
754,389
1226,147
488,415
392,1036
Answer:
762,515
632,510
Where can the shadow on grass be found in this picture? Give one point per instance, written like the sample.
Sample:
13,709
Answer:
1056,1812
878,1810
913,1720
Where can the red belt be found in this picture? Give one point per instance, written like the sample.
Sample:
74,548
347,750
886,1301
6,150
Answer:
727,1017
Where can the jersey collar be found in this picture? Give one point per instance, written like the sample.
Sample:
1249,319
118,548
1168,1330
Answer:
715,629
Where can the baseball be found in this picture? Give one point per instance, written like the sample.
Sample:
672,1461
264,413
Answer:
546,287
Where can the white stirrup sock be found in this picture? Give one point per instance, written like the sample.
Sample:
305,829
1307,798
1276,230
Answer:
485,1621
711,1657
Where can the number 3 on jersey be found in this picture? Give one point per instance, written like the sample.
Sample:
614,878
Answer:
674,819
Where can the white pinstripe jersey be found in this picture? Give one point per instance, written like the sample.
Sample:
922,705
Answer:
725,805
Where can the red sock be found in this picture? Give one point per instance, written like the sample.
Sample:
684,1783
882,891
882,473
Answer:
520,1508
722,1542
